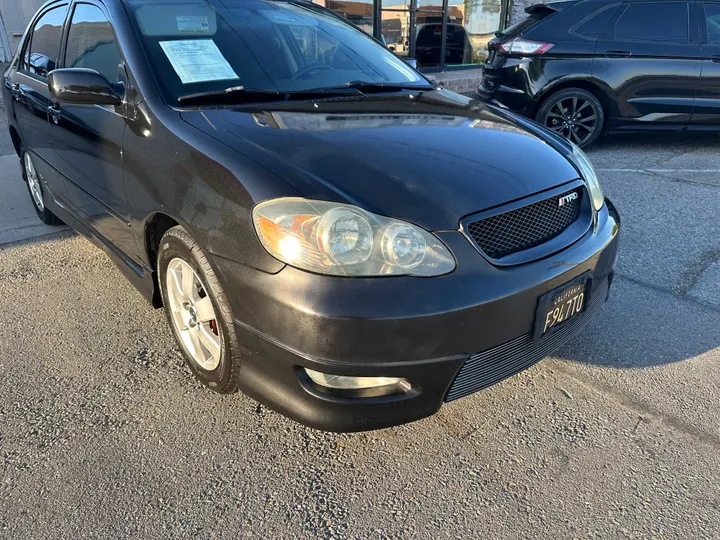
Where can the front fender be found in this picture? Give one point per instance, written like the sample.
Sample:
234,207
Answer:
210,189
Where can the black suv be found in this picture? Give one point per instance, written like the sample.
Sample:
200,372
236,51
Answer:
586,67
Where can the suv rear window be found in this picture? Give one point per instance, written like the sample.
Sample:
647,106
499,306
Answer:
665,23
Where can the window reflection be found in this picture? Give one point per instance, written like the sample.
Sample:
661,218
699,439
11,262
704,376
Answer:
396,31
41,55
91,43
358,12
473,24
428,33
413,28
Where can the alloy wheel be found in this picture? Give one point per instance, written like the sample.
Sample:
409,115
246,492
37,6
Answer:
33,181
193,315
573,117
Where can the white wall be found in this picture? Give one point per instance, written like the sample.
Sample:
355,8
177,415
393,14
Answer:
16,15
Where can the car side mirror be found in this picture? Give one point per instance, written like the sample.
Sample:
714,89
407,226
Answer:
412,63
84,87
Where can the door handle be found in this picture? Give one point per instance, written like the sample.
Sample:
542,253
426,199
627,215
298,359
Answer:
55,113
15,90
715,57
617,54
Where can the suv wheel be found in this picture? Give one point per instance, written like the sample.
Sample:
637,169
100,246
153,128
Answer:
37,195
574,113
198,311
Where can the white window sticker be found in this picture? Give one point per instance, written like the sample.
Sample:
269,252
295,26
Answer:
197,60
279,16
192,24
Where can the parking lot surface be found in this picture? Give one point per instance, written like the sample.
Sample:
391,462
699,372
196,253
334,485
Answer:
104,432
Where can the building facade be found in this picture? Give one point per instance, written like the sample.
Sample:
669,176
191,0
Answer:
448,38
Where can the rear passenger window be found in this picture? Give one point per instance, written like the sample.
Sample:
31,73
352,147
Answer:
41,55
591,27
712,16
91,43
664,23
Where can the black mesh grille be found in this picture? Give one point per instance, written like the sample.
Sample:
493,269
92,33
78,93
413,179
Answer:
525,227
492,366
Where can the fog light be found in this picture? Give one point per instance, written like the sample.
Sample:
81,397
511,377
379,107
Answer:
342,382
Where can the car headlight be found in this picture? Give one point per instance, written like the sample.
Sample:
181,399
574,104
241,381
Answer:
344,240
587,171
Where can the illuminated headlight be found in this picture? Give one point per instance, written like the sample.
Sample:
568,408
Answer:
587,171
342,382
344,240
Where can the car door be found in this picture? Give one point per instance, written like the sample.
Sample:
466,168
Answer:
88,138
707,99
650,58
31,95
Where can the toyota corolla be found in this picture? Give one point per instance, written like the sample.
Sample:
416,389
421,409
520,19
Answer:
327,230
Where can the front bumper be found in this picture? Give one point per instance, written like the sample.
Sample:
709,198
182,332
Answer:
430,331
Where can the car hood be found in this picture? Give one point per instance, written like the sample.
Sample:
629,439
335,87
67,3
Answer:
430,159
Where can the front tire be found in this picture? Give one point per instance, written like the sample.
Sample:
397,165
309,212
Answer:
35,189
575,114
198,312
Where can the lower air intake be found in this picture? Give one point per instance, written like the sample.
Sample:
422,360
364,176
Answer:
494,365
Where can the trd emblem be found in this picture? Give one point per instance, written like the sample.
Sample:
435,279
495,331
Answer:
562,201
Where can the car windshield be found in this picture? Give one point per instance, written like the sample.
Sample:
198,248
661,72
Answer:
198,47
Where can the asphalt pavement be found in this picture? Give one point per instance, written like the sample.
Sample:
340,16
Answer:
104,432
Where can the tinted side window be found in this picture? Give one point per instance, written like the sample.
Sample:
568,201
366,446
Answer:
667,23
41,56
712,16
91,43
593,25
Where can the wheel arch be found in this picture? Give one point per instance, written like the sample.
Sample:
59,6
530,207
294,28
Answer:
16,139
156,225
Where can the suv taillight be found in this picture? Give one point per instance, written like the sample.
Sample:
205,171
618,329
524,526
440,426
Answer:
524,47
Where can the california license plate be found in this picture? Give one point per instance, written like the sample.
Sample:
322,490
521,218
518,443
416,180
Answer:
561,305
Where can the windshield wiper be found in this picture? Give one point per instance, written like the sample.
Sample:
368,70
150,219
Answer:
249,94
371,87
242,94
367,87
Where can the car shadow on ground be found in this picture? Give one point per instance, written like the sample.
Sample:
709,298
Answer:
642,327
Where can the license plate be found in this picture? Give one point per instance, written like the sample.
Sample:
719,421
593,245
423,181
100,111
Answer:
561,305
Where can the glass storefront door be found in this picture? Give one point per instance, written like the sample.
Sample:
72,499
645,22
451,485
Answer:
437,33
395,26
471,24
429,33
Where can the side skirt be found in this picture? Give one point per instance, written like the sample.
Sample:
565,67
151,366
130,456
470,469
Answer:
142,278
